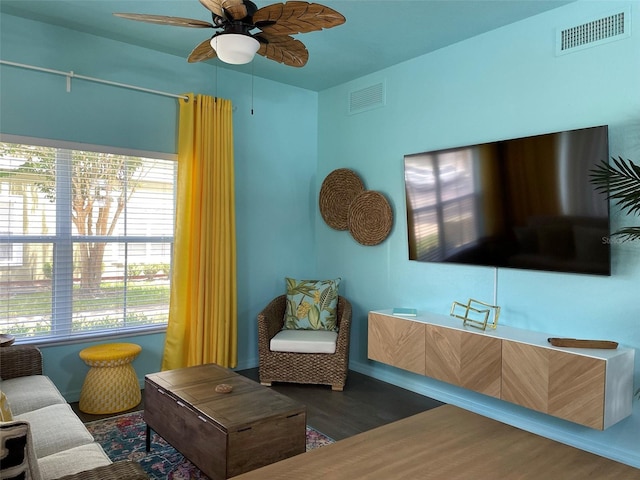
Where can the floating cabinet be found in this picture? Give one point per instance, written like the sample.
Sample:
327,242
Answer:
590,387
397,341
469,361
565,385
524,375
577,388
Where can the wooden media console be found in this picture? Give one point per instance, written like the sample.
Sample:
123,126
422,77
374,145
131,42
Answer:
592,387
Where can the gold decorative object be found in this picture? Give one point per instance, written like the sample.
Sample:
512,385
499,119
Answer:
476,313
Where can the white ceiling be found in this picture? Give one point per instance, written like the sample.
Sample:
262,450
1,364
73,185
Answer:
376,35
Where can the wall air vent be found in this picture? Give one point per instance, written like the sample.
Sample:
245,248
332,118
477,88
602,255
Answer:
596,32
367,98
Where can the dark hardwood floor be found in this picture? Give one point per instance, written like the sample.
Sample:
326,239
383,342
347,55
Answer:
364,404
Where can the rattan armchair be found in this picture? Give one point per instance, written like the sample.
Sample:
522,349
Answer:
313,368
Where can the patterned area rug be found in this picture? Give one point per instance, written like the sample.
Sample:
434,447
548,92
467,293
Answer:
123,437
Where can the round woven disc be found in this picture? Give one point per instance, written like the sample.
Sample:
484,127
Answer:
338,190
370,218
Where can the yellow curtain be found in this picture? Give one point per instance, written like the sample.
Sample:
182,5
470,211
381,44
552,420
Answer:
202,324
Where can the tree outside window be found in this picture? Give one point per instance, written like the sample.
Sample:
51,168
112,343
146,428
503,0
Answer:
92,227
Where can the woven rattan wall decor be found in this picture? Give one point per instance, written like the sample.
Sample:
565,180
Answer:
370,218
345,204
336,194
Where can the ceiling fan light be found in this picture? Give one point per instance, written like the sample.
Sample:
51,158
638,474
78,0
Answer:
235,48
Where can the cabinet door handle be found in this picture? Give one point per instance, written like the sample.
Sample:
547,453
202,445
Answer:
202,418
180,403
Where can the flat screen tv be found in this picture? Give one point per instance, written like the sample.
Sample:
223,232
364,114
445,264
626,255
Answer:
521,203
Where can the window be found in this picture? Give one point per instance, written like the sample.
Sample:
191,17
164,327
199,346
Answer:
85,241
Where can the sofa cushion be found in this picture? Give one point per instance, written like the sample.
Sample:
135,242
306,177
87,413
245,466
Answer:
5,409
74,460
17,458
55,428
311,304
304,341
31,393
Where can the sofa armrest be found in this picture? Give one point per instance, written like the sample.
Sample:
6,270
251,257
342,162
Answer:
123,470
20,361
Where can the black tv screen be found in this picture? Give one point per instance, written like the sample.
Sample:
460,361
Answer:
520,203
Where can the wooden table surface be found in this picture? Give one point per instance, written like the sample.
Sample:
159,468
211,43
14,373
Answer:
446,443
248,403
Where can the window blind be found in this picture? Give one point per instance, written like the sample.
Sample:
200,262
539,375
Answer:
85,241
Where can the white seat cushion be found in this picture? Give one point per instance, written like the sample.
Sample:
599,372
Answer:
31,393
55,428
304,341
72,461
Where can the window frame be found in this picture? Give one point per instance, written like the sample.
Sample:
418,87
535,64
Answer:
63,213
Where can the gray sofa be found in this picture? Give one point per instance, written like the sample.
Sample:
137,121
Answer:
45,439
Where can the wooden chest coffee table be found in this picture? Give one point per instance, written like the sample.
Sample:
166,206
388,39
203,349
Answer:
223,434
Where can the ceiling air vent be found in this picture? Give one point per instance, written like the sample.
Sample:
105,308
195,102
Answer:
596,32
367,98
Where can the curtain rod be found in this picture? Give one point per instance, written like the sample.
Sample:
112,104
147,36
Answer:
72,74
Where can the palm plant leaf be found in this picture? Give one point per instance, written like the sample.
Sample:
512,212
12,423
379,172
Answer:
620,181
629,233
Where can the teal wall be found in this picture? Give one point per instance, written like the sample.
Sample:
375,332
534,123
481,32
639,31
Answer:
275,153
507,83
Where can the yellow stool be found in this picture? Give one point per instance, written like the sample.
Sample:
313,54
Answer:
111,384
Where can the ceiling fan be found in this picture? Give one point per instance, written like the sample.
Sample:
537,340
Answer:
246,30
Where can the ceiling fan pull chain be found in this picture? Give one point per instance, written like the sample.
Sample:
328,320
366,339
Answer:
252,77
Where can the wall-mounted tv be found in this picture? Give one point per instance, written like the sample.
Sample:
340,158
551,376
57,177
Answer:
521,203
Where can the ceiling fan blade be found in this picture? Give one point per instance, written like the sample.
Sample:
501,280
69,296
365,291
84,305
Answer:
162,20
203,51
236,9
282,49
296,17
213,6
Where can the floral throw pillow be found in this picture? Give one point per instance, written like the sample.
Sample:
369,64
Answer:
311,304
